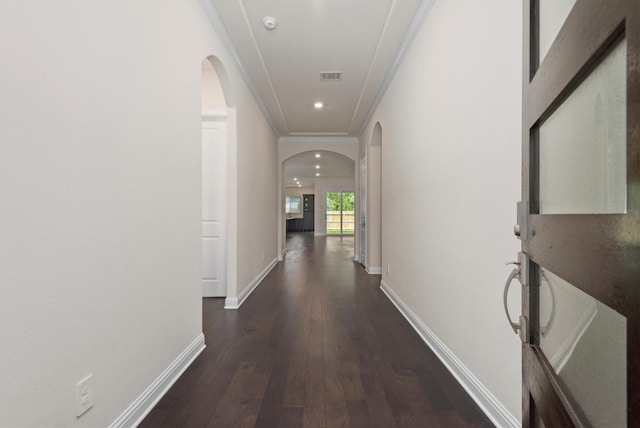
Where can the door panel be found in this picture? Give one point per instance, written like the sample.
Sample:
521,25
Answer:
214,169
582,144
580,231
308,212
579,335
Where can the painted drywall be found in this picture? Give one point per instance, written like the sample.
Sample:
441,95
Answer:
257,215
212,95
101,205
451,137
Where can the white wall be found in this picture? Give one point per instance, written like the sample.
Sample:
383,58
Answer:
257,204
451,131
212,95
100,199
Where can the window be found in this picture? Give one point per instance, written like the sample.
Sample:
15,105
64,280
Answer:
292,205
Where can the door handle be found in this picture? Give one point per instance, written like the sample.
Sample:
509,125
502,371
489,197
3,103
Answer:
519,328
515,273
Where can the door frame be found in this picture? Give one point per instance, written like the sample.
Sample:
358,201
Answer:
362,204
342,192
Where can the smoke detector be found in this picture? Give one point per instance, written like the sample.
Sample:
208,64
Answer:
269,22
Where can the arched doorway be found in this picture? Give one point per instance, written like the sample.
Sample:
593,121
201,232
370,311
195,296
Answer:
315,177
215,138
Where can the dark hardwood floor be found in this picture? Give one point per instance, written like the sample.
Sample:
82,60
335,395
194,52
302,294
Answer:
317,344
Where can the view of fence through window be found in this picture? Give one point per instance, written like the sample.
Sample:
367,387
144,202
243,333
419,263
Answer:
340,213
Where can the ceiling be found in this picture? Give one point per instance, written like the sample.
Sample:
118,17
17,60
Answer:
301,170
362,39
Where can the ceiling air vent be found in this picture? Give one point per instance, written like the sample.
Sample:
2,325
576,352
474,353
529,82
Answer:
331,75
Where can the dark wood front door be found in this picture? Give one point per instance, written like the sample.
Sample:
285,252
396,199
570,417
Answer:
579,221
308,212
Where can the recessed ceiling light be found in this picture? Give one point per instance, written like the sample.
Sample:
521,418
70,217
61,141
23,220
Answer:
318,105
295,178
317,174
317,166
317,155
299,185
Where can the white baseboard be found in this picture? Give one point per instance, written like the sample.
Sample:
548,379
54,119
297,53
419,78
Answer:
487,402
373,270
235,302
141,407
281,256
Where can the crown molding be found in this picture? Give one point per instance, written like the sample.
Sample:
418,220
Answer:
318,139
412,31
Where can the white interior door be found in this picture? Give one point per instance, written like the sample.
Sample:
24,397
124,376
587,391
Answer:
363,210
214,207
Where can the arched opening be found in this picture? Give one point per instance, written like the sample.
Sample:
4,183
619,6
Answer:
318,194
373,220
215,143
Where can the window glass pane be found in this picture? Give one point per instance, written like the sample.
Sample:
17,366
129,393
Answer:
553,13
585,342
292,205
583,145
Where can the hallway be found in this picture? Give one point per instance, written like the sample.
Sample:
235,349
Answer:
317,344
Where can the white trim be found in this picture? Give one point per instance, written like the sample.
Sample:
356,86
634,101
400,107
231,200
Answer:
488,403
214,115
135,413
373,270
235,302
318,140
282,254
319,134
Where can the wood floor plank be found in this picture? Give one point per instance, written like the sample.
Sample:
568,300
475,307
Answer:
226,413
314,404
290,417
251,400
380,412
316,345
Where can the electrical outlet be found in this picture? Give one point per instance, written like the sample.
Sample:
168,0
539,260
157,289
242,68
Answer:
388,269
84,395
